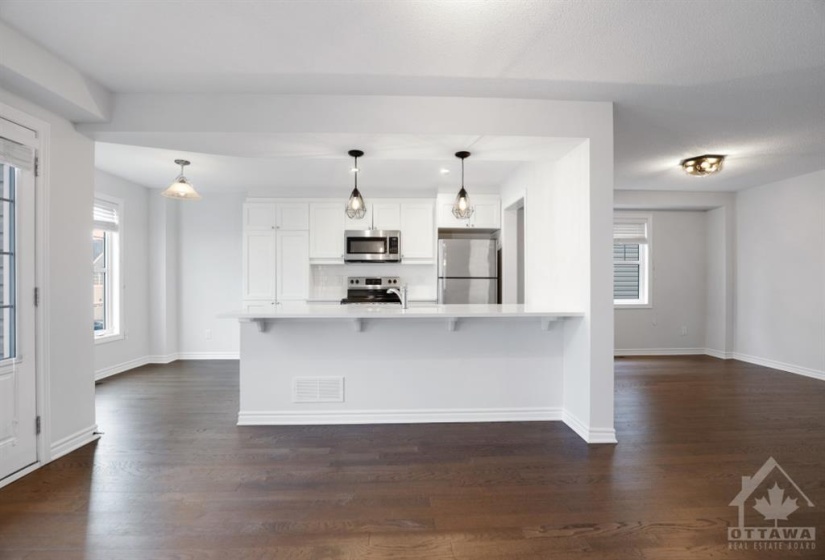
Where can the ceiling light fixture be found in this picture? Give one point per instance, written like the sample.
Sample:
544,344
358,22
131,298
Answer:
181,188
462,209
700,166
355,205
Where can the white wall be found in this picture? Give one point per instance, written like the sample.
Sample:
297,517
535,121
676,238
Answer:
328,282
131,351
719,266
678,289
780,287
68,173
567,267
209,275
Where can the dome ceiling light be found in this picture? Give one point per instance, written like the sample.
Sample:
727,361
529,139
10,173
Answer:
701,166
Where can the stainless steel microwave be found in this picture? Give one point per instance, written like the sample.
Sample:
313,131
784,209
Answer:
372,245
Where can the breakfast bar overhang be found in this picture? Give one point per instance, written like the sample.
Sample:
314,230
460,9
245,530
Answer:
329,364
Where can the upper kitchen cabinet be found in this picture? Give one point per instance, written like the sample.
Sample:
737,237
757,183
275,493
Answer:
417,225
385,215
326,231
486,213
260,216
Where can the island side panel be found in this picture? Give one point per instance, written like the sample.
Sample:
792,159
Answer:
398,370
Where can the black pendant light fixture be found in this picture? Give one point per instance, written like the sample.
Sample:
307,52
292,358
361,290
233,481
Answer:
462,208
355,205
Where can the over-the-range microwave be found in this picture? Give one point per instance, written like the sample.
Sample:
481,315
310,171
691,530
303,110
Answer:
372,245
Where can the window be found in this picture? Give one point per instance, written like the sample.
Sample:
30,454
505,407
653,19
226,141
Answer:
106,260
8,276
631,260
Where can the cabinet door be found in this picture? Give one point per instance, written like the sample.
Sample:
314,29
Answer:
444,211
260,216
293,215
326,231
386,215
259,265
293,265
487,213
417,231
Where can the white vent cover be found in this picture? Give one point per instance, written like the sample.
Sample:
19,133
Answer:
317,389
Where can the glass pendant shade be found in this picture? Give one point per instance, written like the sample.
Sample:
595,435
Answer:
355,205
356,209
181,188
462,208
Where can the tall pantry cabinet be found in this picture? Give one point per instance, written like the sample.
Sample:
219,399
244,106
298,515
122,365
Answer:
275,254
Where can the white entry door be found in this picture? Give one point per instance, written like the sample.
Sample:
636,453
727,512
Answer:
18,408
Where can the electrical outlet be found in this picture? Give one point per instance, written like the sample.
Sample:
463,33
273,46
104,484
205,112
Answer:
684,330
208,334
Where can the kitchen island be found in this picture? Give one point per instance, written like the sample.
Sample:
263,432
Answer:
355,364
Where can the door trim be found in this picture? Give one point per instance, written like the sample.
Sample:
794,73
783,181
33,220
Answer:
41,274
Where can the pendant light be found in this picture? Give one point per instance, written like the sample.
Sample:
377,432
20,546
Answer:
181,188
355,205
462,208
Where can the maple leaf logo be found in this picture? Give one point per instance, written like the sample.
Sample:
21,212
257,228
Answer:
775,507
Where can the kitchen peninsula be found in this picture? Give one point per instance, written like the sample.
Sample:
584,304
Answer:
309,363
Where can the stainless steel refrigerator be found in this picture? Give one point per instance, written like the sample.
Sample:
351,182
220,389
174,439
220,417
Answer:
467,271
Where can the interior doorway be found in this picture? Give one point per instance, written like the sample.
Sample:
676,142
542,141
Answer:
513,245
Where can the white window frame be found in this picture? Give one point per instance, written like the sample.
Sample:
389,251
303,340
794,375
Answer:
114,274
645,300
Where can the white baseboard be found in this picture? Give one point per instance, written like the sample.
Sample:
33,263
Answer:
658,351
209,355
721,354
74,441
791,368
162,358
422,416
120,368
20,474
588,434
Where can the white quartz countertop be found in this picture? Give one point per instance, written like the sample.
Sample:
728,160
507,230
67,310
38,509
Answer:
290,310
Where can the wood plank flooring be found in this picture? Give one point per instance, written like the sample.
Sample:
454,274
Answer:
174,478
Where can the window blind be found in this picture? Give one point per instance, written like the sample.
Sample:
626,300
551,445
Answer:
106,216
16,155
630,232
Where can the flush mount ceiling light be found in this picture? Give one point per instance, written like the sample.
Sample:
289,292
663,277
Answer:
462,209
181,188
355,205
700,166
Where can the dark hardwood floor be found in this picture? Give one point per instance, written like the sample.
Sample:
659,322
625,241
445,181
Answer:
174,478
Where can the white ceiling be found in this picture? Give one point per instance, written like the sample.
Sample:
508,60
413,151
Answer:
746,78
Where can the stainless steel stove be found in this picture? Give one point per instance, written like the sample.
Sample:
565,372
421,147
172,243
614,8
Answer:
371,290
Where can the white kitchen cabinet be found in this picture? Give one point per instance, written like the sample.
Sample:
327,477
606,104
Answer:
417,225
326,231
486,213
262,216
386,215
259,248
292,265
275,266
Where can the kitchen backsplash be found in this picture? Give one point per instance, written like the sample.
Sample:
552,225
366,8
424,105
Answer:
329,282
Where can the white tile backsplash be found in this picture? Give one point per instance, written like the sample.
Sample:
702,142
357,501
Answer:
329,281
